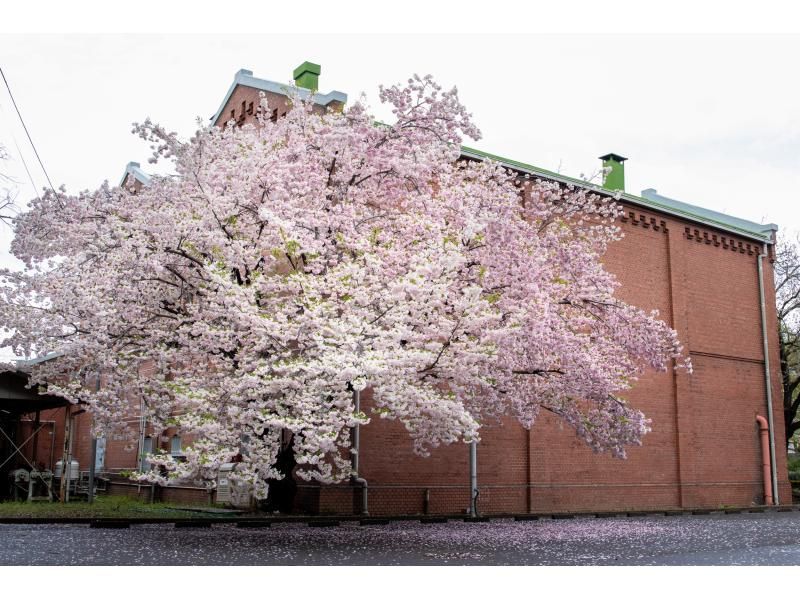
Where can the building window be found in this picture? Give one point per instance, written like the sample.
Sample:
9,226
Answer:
175,445
147,449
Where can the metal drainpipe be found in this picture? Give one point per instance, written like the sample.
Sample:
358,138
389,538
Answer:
763,430
65,456
93,456
473,479
356,454
767,374
142,425
92,462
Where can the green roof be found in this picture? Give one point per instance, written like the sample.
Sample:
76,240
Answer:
762,233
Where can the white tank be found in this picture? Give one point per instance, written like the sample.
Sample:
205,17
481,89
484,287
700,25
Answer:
74,471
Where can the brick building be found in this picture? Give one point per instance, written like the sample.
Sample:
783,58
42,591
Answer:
709,275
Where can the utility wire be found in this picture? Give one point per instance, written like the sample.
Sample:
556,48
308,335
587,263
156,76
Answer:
21,157
13,101
30,178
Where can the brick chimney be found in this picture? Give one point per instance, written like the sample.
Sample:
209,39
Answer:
614,172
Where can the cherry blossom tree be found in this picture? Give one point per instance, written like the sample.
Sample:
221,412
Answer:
287,265
787,294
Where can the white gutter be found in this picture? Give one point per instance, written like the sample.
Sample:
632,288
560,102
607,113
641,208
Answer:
767,378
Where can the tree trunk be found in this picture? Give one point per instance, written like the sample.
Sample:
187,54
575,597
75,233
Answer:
282,492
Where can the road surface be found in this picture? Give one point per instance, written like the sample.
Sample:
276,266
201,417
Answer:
721,539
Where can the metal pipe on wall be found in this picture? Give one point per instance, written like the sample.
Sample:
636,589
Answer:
763,428
92,459
93,455
767,377
356,453
73,432
142,426
473,478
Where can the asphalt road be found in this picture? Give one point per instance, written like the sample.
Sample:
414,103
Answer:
739,539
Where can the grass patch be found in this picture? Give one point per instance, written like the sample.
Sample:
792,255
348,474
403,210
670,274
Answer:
103,507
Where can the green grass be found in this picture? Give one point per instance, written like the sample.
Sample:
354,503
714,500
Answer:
103,507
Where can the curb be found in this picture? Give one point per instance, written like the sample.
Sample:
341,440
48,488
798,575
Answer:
334,521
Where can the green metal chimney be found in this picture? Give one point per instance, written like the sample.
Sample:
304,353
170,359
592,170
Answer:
614,178
307,75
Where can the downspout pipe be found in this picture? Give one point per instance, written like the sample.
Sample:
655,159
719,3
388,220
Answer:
473,479
767,379
140,463
356,453
763,429
93,456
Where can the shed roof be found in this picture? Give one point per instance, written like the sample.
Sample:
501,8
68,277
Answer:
16,398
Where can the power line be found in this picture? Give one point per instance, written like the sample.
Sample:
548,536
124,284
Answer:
21,157
30,178
13,101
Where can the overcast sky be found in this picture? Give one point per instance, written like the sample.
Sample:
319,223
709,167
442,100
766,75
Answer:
708,119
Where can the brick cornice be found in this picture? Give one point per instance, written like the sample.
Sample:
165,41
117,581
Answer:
721,241
643,220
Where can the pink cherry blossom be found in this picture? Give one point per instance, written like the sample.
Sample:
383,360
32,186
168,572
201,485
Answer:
289,263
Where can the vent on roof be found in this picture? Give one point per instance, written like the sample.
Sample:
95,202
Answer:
307,75
614,172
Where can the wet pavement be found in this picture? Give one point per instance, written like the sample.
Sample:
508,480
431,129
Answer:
717,539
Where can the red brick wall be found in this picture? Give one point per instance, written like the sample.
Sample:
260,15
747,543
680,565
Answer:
703,450
244,103
48,440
